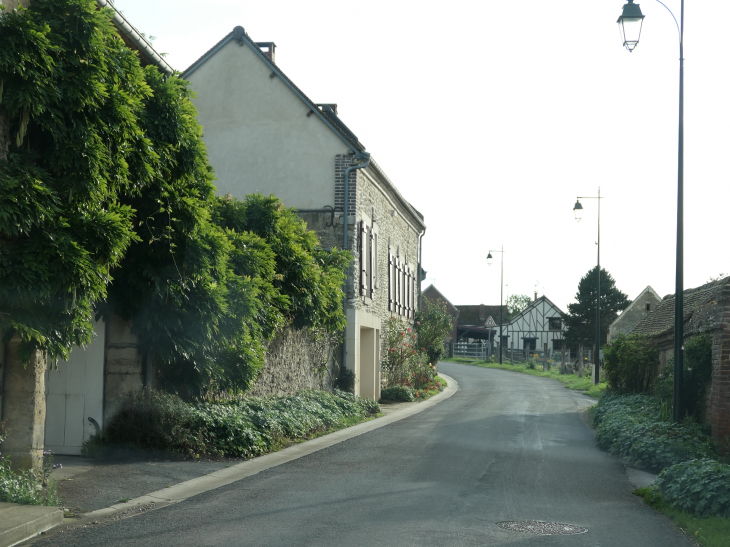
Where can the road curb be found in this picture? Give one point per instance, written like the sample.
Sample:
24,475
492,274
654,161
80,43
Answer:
184,490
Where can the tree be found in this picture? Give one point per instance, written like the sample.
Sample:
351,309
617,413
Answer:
71,144
580,322
516,303
433,326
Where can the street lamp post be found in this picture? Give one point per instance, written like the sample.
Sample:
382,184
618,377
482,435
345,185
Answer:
632,15
577,209
501,292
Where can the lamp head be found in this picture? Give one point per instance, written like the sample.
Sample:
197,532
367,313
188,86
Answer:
489,259
629,24
578,210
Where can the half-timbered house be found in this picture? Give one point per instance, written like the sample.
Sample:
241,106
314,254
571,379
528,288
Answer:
538,324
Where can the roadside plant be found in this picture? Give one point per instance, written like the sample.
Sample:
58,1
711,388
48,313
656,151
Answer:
433,326
700,486
696,377
401,356
241,426
397,393
629,363
27,487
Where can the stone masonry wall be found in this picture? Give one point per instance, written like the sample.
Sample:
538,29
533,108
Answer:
396,231
720,394
296,360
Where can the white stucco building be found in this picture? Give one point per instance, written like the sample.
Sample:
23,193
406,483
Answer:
265,135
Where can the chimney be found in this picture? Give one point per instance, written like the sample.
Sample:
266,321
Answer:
535,295
269,51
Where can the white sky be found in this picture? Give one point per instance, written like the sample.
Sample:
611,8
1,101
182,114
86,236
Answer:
491,117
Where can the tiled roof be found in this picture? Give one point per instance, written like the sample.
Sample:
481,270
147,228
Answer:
661,320
327,114
432,293
478,314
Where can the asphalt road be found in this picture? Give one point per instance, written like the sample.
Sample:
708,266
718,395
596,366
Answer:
506,447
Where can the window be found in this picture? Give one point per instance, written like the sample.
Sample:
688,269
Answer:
401,287
555,323
648,307
368,250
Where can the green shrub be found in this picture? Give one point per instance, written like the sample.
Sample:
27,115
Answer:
699,486
432,325
397,393
697,374
631,426
629,363
242,427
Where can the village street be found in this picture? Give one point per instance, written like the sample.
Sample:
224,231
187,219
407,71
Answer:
505,447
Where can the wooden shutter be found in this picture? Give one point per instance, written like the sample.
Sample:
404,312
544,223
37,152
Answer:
371,263
376,283
363,258
409,303
391,280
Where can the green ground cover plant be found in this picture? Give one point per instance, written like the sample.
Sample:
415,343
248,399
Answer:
571,381
397,394
706,531
27,487
631,426
243,427
701,487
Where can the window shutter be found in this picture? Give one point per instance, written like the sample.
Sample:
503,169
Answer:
363,258
408,288
373,260
376,284
391,280
397,285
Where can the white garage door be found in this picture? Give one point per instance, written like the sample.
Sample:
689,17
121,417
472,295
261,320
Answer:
75,392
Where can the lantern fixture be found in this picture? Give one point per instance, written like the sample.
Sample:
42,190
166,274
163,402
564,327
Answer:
578,210
629,24
489,259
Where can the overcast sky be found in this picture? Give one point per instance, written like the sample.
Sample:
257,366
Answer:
492,117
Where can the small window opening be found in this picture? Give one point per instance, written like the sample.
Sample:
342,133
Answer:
648,307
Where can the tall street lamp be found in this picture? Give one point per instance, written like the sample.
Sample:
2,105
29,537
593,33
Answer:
501,292
578,210
630,24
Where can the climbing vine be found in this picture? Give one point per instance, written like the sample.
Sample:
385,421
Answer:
107,206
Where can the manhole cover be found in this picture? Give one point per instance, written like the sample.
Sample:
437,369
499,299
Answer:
541,527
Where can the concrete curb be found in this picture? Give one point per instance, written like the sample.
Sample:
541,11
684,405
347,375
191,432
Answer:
20,522
184,490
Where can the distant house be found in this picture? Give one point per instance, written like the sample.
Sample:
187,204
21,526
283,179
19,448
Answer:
637,310
538,324
434,295
263,134
472,323
706,310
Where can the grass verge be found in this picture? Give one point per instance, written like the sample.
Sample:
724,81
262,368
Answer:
709,532
571,381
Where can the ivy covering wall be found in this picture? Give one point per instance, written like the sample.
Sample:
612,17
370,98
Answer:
107,206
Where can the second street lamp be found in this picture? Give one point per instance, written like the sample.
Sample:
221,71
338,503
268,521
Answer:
501,292
633,13
578,209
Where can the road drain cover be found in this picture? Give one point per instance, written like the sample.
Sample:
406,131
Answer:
541,527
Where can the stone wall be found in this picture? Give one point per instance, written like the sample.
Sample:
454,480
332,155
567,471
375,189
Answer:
123,367
720,394
634,314
296,360
24,407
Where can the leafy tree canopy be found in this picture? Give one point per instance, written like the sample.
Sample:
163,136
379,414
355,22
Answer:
107,205
516,303
72,98
432,325
580,322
